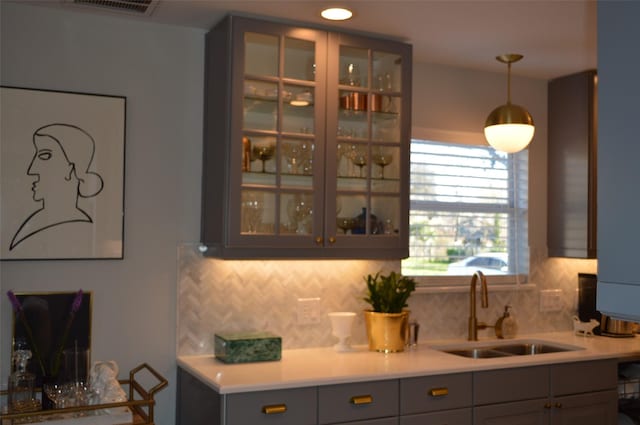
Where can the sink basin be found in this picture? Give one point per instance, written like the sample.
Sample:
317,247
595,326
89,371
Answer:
476,350
478,353
532,348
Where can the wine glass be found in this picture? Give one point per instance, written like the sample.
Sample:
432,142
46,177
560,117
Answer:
352,74
382,159
299,210
359,159
293,153
264,153
252,207
57,393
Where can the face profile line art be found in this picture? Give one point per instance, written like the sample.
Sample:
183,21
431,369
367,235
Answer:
61,166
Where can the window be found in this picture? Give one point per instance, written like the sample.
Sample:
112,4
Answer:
468,212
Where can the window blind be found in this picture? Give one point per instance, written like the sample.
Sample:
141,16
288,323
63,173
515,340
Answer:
466,201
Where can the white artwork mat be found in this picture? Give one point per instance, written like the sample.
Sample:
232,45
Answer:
61,175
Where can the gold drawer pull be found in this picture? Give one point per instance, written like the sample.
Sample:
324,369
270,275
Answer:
439,392
361,399
319,240
274,409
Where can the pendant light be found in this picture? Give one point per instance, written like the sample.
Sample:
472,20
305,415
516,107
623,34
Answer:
509,128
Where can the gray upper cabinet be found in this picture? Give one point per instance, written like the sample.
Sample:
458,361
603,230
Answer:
572,166
306,143
618,153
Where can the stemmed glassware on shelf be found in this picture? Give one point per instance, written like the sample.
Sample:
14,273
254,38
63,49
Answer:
264,153
382,159
252,208
298,156
359,159
300,210
293,155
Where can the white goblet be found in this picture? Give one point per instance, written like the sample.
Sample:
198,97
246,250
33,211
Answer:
341,323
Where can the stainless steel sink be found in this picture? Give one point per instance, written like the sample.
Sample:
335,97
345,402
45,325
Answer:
531,349
505,349
478,353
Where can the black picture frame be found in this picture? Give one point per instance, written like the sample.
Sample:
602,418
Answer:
47,315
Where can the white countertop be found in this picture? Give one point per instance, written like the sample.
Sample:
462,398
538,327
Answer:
324,366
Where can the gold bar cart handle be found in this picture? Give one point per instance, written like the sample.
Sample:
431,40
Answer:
274,409
439,392
361,399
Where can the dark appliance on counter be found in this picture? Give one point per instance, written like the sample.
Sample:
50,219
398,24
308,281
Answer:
587,291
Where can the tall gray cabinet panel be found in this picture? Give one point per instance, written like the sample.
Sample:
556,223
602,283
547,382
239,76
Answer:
306,143
618,154
572,165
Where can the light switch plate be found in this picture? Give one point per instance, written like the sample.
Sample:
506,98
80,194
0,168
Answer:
308,311
550,300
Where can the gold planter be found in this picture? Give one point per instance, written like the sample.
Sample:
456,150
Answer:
386,332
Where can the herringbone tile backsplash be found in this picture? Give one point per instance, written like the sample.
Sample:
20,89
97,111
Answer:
231,296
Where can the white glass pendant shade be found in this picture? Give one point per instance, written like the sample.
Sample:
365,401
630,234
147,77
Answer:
509,128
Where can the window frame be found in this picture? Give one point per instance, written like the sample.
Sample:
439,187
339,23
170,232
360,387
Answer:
460,283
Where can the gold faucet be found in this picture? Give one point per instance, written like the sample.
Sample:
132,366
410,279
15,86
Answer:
474,325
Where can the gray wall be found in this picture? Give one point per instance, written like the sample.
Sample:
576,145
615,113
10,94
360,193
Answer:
160,71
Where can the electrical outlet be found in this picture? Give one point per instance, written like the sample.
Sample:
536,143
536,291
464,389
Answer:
550,300
308,311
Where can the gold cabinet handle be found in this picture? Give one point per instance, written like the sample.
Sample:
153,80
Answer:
274,409
319,240
439,392
548,405
332,239
559,405
358,400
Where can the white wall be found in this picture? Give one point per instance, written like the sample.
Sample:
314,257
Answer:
160,71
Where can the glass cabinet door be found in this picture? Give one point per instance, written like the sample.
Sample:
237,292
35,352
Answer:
278,137
306,151
369,178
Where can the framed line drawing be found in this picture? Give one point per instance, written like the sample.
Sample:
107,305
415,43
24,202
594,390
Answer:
62,160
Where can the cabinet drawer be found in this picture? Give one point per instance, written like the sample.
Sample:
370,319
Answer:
447,417
582,377
285,407
519,412
499,386
433,393
383,421
353,402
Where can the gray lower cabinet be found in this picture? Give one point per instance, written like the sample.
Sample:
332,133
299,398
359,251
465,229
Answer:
296,406
436,400
349,403
581,393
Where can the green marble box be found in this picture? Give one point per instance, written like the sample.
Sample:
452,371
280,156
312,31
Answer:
247,347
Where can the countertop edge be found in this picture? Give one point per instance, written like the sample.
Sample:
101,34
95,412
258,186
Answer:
330,368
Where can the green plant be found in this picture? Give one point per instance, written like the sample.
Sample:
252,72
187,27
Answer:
389,294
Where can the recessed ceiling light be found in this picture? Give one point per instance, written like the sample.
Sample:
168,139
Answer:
336,14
